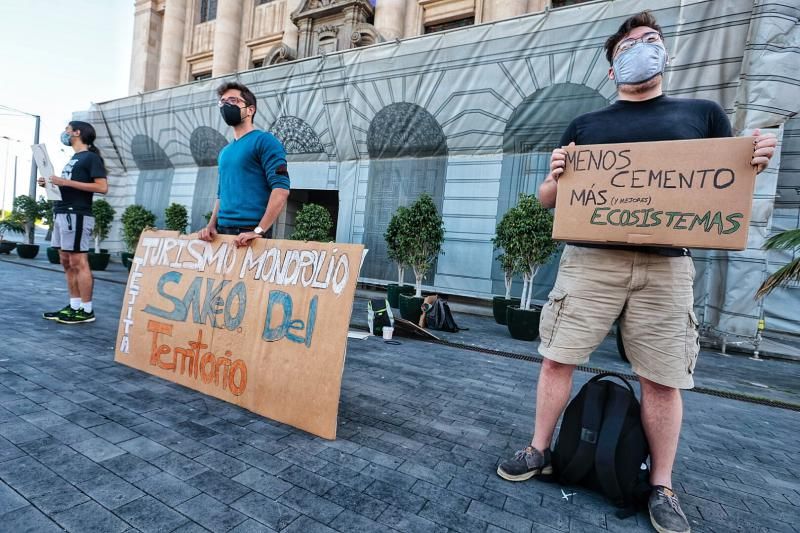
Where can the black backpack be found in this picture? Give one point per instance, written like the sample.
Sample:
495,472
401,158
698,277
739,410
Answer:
602,444
379,315
438,316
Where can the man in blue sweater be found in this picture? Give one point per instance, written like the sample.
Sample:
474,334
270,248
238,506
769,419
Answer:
253,179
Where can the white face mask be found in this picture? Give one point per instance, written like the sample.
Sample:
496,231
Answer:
639,63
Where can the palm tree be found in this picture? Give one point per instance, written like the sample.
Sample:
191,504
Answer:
786,240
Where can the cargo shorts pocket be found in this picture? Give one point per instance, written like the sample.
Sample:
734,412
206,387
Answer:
692,341
551,315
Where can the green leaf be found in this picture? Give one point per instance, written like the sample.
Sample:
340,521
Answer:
313,223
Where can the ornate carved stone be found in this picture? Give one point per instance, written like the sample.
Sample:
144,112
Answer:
331,25
281,54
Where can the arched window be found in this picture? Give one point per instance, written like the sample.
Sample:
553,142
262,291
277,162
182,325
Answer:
155,175
205,144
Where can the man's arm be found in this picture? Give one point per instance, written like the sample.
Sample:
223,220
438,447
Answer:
99,185
276,204
210,231
548,190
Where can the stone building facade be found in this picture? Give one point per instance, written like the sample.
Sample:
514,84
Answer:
178,41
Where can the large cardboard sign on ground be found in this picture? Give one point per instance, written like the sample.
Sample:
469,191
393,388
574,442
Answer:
693,194
264,327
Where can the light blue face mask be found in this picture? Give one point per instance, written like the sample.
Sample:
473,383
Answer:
640,63
66,138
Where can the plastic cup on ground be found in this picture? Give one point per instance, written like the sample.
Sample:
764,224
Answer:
387,333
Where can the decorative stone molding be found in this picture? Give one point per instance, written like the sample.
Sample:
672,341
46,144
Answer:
281,54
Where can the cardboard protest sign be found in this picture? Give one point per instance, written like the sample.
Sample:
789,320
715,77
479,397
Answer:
692,194
264,327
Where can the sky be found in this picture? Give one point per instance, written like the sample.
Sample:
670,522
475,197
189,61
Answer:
56,57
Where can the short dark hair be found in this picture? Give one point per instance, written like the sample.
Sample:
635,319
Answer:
247,95
645,18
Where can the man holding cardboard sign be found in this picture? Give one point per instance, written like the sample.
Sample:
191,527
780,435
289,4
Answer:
253,178
648,288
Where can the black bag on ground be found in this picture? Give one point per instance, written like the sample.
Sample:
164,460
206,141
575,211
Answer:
602,444
379,315
438,316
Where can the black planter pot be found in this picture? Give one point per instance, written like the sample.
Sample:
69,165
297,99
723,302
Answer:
52,255
393,292
411,307
126,259
523,325
27,251
499,304
98,261
7,246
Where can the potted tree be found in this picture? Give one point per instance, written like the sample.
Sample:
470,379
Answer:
313,223
103,215
26,211
510,267
9,225
396,252
530,241
785,240
135,219
176,218
421,235
47,216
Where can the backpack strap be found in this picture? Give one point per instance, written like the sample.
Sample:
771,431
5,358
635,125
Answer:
591,421
605,458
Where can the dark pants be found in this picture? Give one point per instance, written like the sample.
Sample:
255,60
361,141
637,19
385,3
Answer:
236,230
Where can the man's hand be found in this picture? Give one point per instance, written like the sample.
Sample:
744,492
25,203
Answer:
558,160
208,233
61,182
243,239
763,149
40,181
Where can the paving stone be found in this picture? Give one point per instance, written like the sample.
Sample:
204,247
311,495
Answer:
318,508
169,489
260,481
18,431
307,480
113,432
408,522
218,486
9,499
443,497
355,523
179,465
396,496
305,524
60,500
251,526
274,514
346,477
97,449
144,448
130,467
358,502
451,518
110,490
28,520
224,464
90,517
499,518
147,514
210,513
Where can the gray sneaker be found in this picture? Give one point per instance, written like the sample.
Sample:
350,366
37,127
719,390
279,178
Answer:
525,464
665,512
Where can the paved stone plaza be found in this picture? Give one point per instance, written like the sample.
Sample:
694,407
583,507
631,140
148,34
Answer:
89,445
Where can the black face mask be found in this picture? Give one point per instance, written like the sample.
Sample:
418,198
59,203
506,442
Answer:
231,114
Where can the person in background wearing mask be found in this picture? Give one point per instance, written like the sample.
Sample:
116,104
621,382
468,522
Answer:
253,179
84,175
649,289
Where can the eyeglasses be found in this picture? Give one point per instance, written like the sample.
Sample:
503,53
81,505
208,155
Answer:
233,100
649,38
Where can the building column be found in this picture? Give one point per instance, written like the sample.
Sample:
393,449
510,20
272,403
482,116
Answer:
227,37
290,32
504,9
146,43
169,70
390,18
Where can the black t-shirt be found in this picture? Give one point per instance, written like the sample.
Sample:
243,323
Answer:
84,167
659,119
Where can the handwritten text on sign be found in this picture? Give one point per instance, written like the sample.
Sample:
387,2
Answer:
263,326
693,194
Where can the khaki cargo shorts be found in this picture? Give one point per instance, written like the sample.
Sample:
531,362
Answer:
650,294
